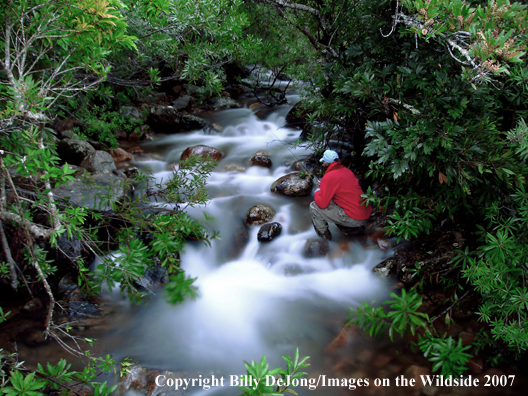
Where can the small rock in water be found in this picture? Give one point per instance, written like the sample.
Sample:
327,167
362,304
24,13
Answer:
201,151
259,214
293,184
261,160
269,231
315,248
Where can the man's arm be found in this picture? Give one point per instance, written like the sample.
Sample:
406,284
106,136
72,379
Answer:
326,192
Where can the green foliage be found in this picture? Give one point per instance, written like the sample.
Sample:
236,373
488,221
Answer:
259,371
446,355
23,386
403,315
180,288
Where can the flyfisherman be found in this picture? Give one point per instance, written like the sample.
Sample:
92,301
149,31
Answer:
338,199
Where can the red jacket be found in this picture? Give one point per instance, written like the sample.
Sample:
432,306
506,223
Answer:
340,185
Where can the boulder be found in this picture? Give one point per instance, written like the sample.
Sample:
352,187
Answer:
222,103
261,160
189,122
269,231
163,119
98,161
68,250
315,248
73,151
131,172
192,89
183,103
153,277
83,309
67,124
201,151
120,155
95,191
259,214
386,267
292,184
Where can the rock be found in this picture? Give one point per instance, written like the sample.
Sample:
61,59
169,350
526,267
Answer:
201,151
235,71
190,122
153,98
259,214
121,135
293,185
315,248
98,161
212,128
153,277
130,112
238,90
183,103
163,119
351,231
385,268
177,89
131,172
82,309
261,160
269,231
475,365
135,150
120,155
95,191
222,103
296,269
263,152
66,286
73,151
255,106
192,89
67,125
68,250
297,116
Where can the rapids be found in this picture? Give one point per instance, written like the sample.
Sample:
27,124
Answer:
255,298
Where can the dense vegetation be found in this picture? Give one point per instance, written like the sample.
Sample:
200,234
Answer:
431,94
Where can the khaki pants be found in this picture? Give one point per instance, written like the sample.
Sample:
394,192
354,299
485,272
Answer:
334,214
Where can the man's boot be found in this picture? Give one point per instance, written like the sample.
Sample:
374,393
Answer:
325,235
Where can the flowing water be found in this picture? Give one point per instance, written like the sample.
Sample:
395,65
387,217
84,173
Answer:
255,298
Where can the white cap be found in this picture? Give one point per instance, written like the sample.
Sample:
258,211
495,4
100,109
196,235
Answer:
329,156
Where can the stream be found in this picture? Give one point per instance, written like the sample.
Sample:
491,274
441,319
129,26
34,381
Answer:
255,298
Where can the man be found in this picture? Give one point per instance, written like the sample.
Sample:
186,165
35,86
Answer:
338,200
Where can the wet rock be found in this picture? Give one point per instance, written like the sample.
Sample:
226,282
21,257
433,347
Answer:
192,89
177,89
99,161
222,103
297,116
131,172
66,286
95,191
269,231
261,160
238,90
315,248
255,106
135,150
263,152
386,267
293,185
68,250
73,151
191,122
467,338
130,112
183,103
153,277
213,128
351,231
201,151
120,155
238,240
153,98
259,214
82,309
164,119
